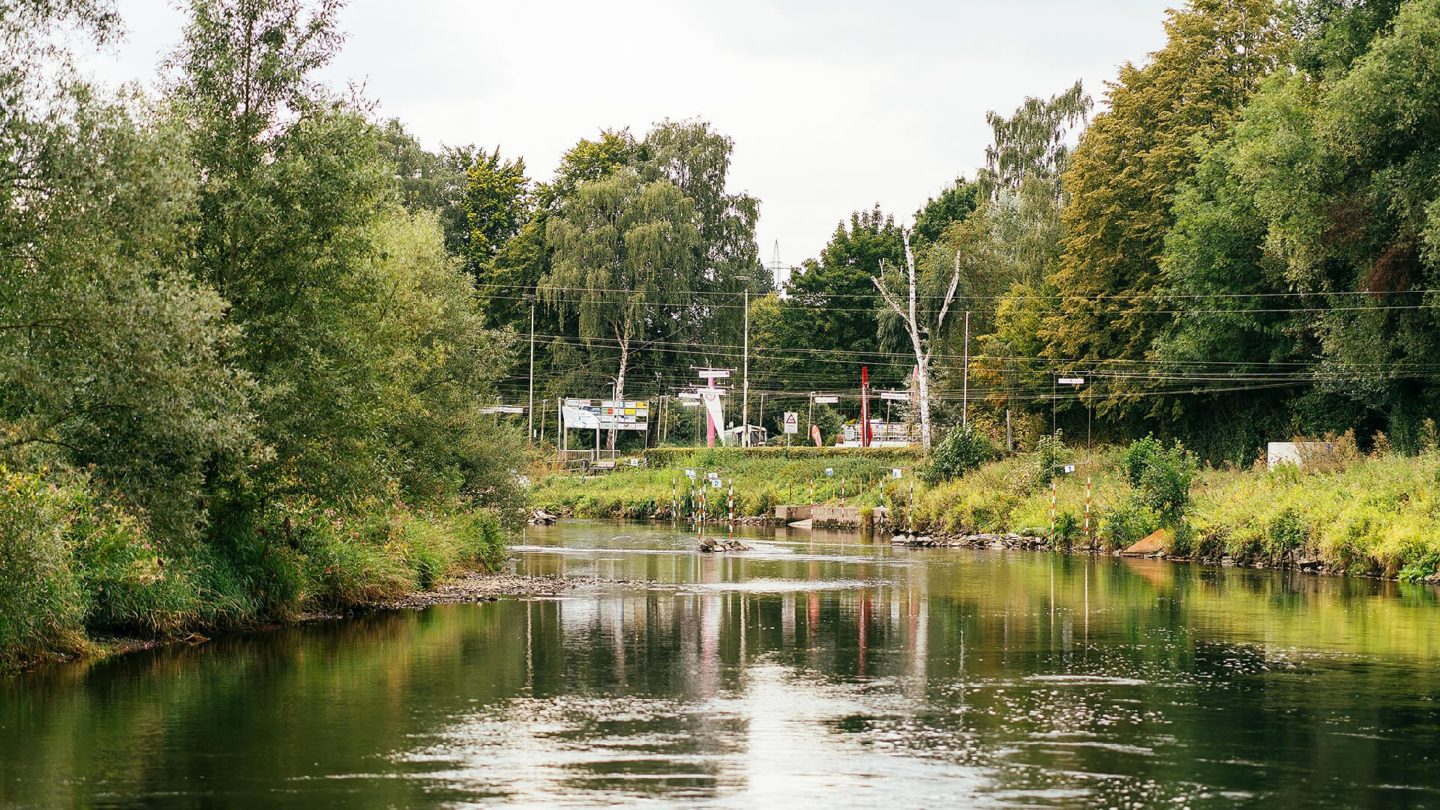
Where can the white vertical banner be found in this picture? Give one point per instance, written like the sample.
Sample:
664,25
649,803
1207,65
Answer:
711,398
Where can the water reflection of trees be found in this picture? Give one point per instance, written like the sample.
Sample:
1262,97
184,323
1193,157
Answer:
1185,674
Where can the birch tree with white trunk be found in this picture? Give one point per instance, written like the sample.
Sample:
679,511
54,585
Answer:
920,333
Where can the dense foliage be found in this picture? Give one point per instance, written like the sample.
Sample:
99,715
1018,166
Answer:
238,376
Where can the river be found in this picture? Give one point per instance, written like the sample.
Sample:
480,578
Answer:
816,669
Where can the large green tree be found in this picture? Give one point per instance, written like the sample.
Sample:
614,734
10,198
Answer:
295,229
110,358
1123,177
624,262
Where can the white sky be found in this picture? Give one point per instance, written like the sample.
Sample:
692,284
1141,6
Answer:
834,105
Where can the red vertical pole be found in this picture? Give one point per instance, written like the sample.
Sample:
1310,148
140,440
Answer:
864,406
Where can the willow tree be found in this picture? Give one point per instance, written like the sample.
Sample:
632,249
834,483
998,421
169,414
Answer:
624,262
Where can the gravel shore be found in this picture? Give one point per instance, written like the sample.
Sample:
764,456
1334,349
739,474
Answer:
476,587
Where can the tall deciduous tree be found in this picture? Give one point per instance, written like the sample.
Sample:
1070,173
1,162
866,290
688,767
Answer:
110,358
624,261
1033,142
1124,175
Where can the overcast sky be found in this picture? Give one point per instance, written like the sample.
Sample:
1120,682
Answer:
834,105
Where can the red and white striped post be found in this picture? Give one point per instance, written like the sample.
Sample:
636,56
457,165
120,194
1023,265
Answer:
730,506
1089,538
1053,487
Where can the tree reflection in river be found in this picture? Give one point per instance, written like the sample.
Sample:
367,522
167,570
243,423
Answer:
818,668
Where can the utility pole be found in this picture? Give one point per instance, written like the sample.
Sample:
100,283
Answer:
531,409
864,406
965,376
745,384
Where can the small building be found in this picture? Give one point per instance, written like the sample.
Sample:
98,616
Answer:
735,436
1298,453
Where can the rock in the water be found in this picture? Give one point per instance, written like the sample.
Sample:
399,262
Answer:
900,539
540,517
711,545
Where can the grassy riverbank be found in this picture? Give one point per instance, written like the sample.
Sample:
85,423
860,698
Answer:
762,477
74,567
1362,515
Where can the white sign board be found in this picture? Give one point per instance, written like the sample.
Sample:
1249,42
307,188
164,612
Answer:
898,396
1071,380
714,483
826,400
1069,468
829,471
792,422
589,414
895,472
713,374
690,474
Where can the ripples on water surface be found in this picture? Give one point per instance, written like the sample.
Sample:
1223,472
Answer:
817,669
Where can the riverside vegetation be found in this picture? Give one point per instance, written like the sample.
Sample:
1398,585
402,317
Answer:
1348,513
240,373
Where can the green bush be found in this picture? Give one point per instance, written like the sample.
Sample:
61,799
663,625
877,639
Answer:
132,586
1138,456
1165,479
42,605
1287,531
962,450
1047,459
1067,529
1127,523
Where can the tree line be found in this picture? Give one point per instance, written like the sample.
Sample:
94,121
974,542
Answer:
1240,246
1243,246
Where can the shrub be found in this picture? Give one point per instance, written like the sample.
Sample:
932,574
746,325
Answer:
1286,531
962,450
1138,457
1050,454
41,602
1165,482
1162,476
1127,523
1067,529
132,586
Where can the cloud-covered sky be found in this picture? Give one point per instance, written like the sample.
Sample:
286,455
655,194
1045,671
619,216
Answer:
834,105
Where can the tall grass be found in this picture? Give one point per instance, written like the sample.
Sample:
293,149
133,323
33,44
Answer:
74,566
762,478
1371,515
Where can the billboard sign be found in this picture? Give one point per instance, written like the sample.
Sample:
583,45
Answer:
591,414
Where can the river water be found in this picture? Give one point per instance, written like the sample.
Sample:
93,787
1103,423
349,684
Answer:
817,669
